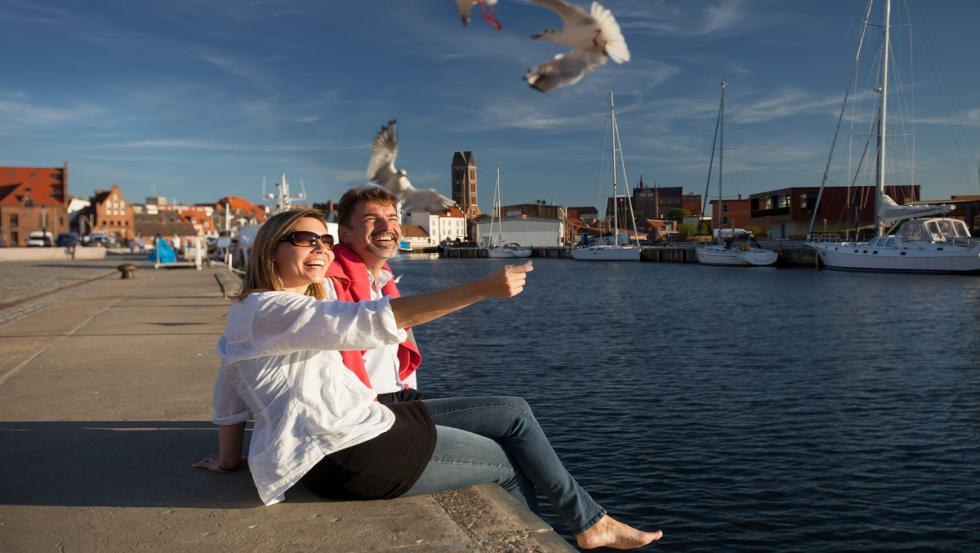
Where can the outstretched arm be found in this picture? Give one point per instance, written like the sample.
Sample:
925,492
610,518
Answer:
229,457
504,283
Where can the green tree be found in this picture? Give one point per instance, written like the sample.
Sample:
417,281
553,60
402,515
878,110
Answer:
686,230
678,214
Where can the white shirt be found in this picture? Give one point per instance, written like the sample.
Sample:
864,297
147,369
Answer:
382,363
280,365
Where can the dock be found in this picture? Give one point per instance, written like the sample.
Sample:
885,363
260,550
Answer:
105,393
791,253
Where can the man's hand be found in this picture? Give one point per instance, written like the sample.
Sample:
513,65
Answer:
508,281
211,463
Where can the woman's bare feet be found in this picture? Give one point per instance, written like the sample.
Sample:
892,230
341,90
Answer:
611,533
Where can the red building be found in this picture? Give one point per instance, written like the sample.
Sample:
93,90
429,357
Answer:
32,199
787,212
108,212
733,214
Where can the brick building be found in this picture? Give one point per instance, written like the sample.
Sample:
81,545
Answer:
108,212
32,199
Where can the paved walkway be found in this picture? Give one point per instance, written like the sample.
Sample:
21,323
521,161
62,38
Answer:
104,405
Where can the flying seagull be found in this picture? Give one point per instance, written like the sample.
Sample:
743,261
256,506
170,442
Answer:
465,7
381,171
594,35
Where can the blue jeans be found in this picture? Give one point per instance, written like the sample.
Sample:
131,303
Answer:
497,439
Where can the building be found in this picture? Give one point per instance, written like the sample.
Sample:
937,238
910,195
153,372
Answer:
446,226
464,183
526,231
107,212
32,199
243,211
734,213
587,215
416,237
786,213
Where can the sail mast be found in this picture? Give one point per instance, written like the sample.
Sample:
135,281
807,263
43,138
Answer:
882,118
721,151
612,126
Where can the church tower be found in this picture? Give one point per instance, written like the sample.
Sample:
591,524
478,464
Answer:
464,183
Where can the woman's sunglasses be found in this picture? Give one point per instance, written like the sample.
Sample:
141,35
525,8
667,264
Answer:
307,239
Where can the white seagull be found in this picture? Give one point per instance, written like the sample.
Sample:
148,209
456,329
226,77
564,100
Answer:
594,35
381,171
465,8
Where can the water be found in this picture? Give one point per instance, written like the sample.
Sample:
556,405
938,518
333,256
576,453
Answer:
738,409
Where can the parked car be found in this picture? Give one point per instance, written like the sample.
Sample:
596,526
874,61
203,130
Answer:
40,238
66,239
99,239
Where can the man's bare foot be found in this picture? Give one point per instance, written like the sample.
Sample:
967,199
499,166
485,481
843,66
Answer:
611,533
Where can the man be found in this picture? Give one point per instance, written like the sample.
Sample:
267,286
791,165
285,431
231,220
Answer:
369,234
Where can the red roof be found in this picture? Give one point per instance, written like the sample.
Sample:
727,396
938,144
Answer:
237,203
41,185
414,231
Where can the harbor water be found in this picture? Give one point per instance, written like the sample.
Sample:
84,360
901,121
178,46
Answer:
737,409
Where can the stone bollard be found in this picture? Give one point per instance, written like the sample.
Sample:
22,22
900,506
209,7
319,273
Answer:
127,270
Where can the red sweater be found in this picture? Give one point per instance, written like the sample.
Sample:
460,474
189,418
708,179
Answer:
352,283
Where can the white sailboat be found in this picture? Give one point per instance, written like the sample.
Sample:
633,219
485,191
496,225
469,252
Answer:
495,247
614,251
737,249
921,242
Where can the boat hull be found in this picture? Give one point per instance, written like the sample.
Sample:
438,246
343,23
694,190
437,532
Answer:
508,252
931,258
607,253
720,255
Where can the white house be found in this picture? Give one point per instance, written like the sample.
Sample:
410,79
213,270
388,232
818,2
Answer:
447,225
526,231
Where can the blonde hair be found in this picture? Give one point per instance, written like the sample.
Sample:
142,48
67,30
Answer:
261,274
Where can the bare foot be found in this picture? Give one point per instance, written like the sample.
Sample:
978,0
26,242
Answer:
611,533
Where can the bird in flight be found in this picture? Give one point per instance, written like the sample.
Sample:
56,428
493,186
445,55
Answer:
594,37
465,8
381,171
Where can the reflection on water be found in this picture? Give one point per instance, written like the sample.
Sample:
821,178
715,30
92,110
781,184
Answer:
738,409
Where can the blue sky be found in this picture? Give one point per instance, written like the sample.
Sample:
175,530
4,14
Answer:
195,100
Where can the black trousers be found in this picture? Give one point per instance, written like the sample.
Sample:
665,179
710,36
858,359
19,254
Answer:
408,394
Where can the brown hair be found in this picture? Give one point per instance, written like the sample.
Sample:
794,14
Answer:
261,274
354,196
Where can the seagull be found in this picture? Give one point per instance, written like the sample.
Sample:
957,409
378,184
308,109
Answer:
594,35
382,172
465,7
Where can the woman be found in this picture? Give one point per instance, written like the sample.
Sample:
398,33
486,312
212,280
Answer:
316,422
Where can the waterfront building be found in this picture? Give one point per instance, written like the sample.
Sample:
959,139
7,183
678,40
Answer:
242,211
416,237
733,213
786,213
32,199
523,230
445,226
587,215
107,212
464,183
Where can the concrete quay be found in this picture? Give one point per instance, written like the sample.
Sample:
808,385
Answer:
105,404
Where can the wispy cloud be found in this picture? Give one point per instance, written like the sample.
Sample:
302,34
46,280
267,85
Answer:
786,102
683,19
26,114
237,67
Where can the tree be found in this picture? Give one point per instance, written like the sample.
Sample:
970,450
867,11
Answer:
686,230
678,214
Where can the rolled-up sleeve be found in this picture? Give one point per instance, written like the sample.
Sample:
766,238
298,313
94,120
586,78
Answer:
284,323
228,405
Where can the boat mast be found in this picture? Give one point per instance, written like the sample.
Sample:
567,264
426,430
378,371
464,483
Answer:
496,213
721,150
613,131
882,118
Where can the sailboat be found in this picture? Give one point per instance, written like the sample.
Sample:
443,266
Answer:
921,242
496,249
734,247
614,251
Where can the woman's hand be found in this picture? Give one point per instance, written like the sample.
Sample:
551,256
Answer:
506,282
211,463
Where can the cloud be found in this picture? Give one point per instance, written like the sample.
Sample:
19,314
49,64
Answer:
26,114
661,18
236,67
786,102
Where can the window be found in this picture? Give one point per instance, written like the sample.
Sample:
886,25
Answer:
14,221
724,208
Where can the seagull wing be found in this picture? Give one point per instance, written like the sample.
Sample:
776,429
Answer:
614,45
570,15
465,8
384,150
426,199
563,70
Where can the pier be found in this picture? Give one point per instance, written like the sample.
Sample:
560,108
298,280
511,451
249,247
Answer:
105,402
791,253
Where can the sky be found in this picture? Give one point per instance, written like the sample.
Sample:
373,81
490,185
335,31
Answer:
196,99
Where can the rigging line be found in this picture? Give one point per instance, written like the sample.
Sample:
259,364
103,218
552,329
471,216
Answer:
840,117
946,96
711,165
